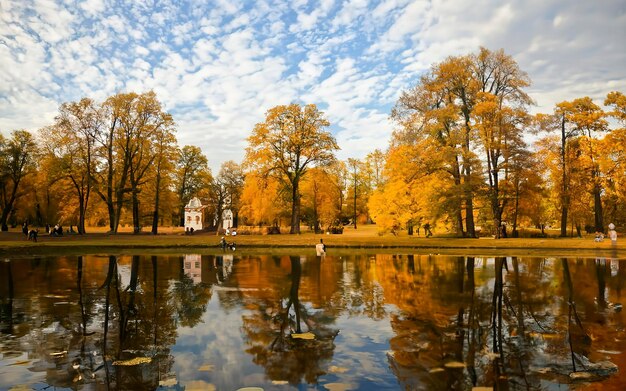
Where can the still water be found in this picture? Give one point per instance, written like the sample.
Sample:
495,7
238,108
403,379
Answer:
415,322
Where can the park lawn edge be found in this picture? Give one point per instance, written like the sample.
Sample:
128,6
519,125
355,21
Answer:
304,246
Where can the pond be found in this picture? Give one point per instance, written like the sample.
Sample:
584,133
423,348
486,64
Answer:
344,322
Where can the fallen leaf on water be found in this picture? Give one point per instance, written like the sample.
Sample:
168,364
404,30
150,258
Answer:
199,385
609,352
207,368
339,386
308,335
454,364
21,362
334,369
580,375
280,382
133,361
541,370
171,382
59,354
435,370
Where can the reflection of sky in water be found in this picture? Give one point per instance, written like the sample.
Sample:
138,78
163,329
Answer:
414,307
360,349
215,341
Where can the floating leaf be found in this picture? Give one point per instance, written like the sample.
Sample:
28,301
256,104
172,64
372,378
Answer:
454,364
580,375
280,382
334,369
207,368
307,335
133,361
339,386
171,382
199,385
609,352
25,362
435,370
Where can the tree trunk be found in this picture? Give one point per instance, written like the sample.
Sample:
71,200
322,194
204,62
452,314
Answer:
564,186
136,217
597,207
295,207
155,214
8,207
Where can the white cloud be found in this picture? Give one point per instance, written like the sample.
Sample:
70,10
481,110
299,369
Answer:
217,68
92,7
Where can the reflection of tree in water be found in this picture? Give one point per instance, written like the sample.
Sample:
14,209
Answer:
87,320
190,301
269,334
145,315
7,293
502,334
358,292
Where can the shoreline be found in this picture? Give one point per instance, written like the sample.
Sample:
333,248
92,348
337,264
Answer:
15,245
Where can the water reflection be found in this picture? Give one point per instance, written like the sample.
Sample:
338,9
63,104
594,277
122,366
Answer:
377,321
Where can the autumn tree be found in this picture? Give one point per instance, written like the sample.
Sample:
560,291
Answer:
290,141
191,175
437,111
227,188
165,152
500,116
71,142
612,160
19,157
375,162
319,194
261,200
587,119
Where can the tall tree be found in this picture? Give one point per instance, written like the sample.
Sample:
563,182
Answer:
72,141
292,139
165,151
191,175
19,157
354,165
375,162
230,183
587,119
500,116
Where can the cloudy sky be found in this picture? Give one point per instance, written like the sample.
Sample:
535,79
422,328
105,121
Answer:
219,65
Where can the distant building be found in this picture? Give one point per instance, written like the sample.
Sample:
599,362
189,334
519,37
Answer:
227,219
193,214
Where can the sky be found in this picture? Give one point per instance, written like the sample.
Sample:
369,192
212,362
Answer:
218,66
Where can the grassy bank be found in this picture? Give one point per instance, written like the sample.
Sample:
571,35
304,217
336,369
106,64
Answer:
364,239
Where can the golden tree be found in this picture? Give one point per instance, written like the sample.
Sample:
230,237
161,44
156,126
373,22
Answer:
290,141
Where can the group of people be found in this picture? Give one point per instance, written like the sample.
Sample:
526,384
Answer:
226,245
32,234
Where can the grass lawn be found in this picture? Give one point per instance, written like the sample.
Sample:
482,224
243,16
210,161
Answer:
363,239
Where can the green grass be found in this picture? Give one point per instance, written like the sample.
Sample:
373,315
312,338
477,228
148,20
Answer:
364,239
